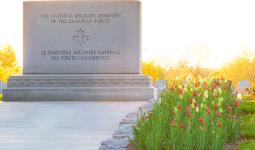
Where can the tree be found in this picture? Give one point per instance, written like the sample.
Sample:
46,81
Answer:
8,63
156,72
242,68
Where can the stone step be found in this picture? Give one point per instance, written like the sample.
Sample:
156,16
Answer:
78,94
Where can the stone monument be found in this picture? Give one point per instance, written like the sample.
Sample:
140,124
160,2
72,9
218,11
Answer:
80,50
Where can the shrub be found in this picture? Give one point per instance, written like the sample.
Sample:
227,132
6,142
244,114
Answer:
248,97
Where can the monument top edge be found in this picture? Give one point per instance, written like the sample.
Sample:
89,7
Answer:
28,1
81,76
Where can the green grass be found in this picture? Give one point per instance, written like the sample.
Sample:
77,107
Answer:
247,107
1,97
247,145
248,126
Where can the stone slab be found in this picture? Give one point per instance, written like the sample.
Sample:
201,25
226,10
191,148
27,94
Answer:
121,87
78,94
81,37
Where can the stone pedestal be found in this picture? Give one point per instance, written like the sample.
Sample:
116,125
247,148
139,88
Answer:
83,87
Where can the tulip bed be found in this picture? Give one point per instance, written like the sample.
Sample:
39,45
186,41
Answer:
199,114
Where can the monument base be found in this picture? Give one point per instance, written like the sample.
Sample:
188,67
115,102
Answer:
89,87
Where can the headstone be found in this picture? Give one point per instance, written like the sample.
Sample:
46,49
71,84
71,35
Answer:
243,86
160,85
81,50
4,85
1,87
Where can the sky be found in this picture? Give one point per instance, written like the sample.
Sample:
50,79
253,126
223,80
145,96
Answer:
209,33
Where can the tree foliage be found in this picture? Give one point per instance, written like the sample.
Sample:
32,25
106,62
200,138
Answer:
181,71
154,71
8,63
241,68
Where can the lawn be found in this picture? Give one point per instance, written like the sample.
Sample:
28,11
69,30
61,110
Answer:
247,107
247,111
248,126
247,145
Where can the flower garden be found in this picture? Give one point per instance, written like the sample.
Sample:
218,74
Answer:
200,114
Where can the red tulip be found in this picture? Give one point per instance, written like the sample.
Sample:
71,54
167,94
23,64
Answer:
188,114
180,91
196,84
182,125
216,106
225,87
218,113
195,94
203,123
201,120
171,88
208,111
205,84
236,103
188,108
219,124
174,123
214,85
190,100
195,104
229,108
179,107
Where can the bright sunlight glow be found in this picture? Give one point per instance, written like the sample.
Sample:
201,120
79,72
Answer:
205,32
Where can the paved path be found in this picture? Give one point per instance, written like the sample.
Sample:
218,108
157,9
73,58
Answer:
59,125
